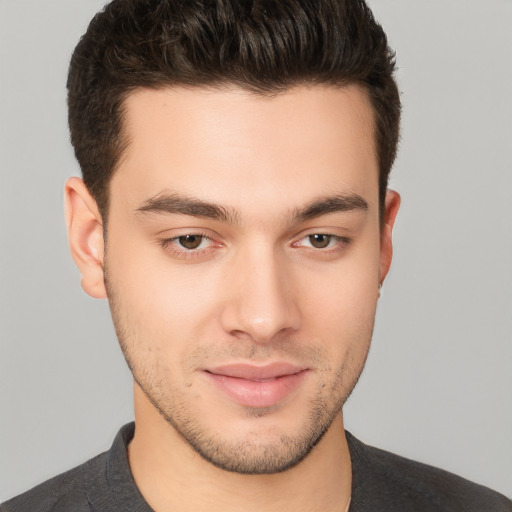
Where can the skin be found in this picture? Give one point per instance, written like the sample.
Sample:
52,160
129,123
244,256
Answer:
259,288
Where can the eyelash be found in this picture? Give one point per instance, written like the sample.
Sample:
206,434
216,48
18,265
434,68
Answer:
343,240
171,245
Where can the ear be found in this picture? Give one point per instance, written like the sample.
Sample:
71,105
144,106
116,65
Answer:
85,235
391,206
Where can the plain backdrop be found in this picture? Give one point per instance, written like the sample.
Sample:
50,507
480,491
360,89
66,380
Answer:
438,382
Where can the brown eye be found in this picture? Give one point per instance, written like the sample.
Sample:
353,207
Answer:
320,241
190,241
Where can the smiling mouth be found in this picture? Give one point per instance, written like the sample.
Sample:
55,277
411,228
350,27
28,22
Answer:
257,386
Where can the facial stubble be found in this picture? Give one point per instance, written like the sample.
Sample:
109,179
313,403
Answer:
249,455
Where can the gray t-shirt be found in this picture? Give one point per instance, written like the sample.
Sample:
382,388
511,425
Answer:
381,482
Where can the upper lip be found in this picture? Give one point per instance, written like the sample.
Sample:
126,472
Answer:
256,373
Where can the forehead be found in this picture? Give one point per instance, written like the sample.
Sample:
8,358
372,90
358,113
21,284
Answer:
236,148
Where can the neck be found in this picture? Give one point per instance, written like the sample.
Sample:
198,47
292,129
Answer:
172,476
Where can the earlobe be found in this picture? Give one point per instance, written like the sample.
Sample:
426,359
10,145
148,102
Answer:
391,208
85,235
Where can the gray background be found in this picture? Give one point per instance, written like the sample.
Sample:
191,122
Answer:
437,386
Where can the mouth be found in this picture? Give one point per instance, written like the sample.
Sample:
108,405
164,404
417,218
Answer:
257,386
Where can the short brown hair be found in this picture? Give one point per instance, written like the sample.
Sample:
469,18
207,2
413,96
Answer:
265,46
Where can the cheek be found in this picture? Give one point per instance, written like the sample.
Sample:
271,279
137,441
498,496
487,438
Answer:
345,291
162,303
345,325
341,305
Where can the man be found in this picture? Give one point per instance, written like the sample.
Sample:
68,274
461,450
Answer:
235,212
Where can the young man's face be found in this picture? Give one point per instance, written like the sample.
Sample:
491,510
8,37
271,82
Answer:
243,262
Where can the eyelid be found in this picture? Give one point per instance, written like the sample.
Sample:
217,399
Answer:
340,243
334,231
170,244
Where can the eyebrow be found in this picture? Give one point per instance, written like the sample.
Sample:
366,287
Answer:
330,204
185,205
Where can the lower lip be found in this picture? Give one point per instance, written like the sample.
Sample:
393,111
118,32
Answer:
257,394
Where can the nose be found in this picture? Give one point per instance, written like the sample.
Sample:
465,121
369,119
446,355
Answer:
262,302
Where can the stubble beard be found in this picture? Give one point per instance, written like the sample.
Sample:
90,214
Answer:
247,456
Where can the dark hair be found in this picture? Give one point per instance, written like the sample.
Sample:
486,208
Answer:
265,46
